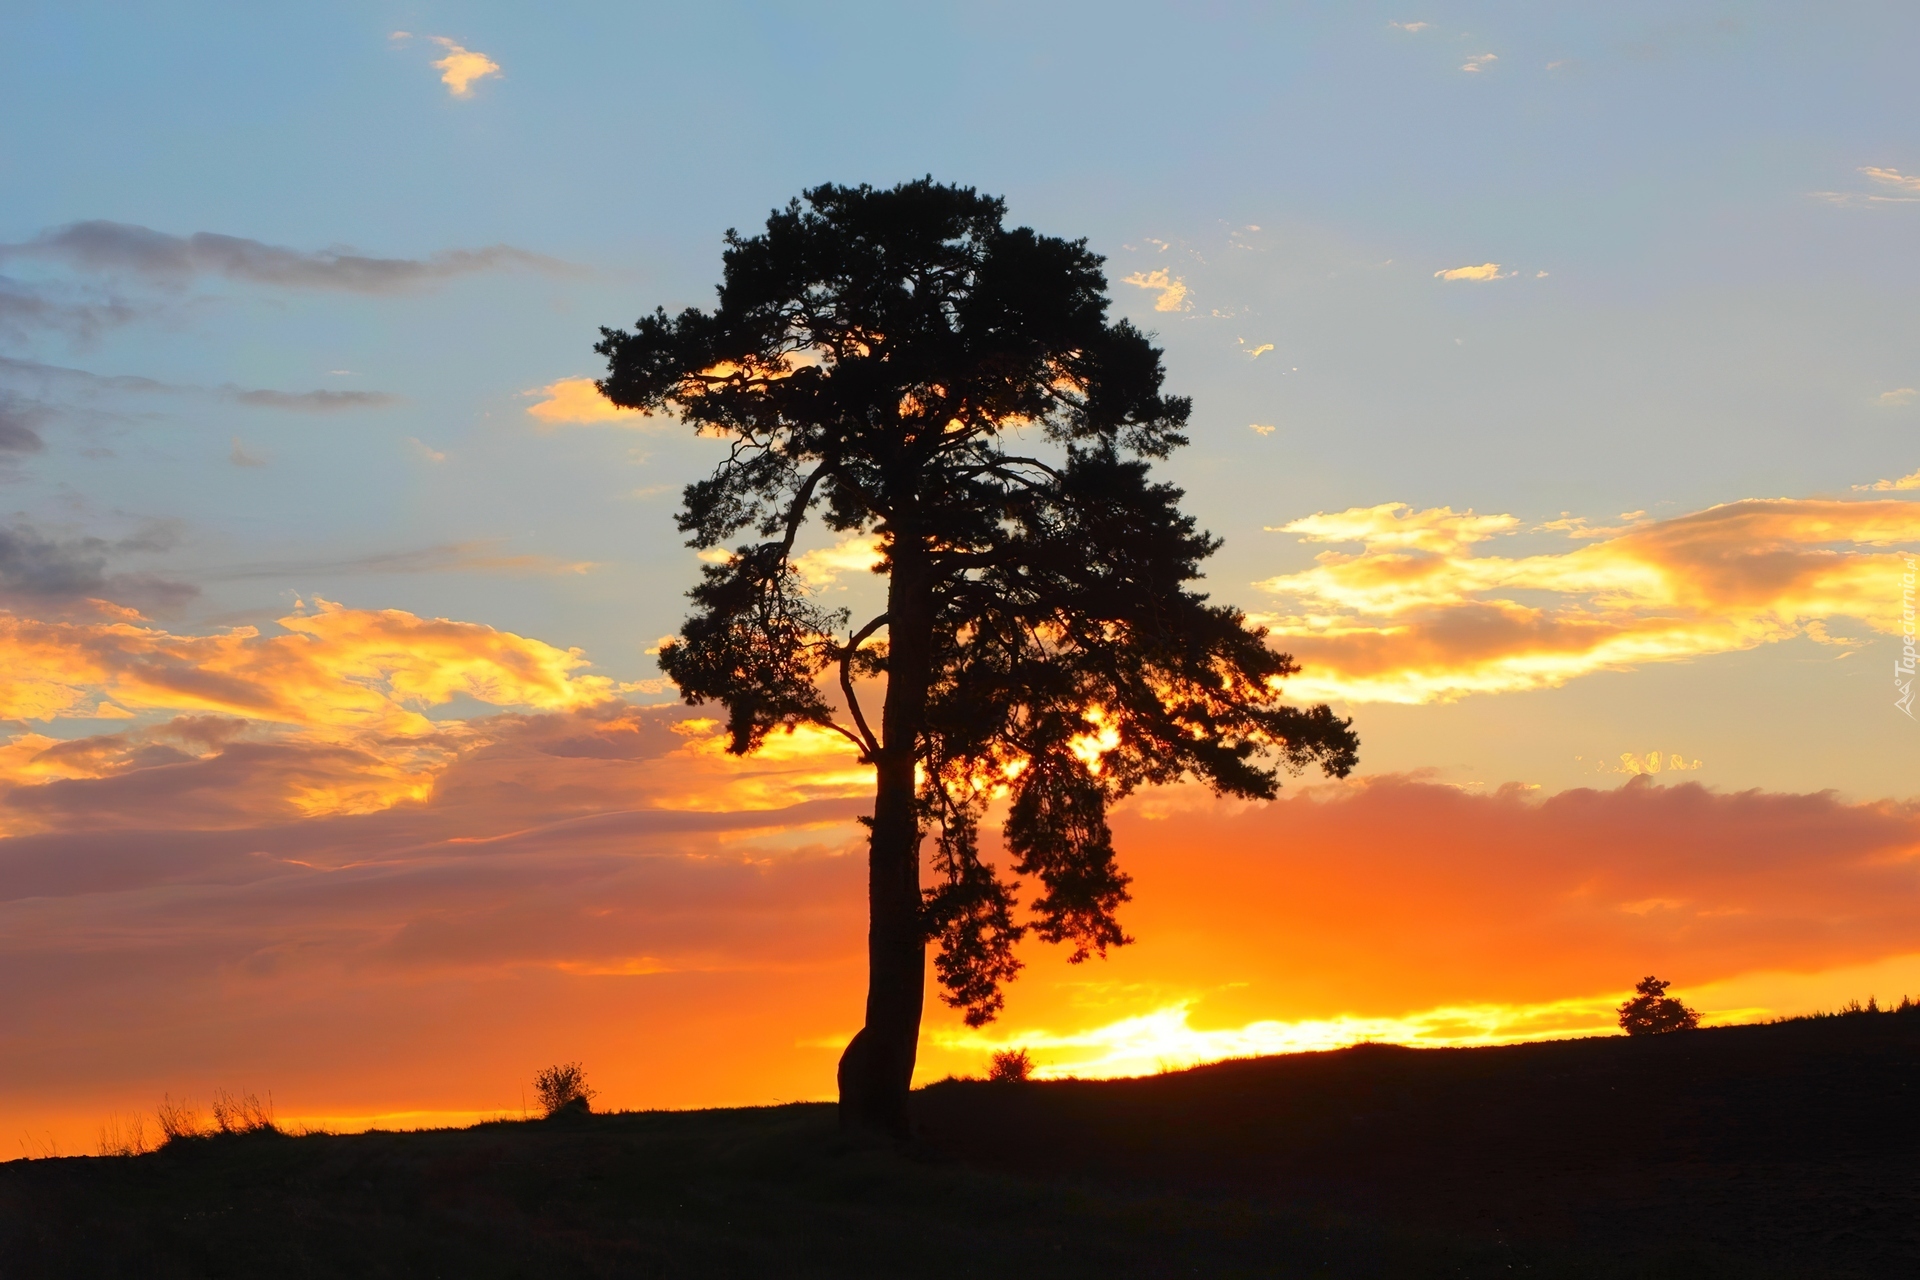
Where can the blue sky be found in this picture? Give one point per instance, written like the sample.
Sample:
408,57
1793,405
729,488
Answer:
1556,374
1708,326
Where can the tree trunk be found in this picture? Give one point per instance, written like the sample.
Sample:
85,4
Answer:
876,1071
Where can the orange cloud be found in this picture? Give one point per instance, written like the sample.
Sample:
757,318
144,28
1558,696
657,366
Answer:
461,67
1485,271
545,902
1172,289
223,772
1416,617
578,401
1395,524
1908,481
332,709
335,667
858,553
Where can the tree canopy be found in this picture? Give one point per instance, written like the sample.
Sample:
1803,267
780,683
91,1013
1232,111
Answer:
899,363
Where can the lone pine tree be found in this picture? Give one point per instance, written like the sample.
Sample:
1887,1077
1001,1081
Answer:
1652,1012
888,360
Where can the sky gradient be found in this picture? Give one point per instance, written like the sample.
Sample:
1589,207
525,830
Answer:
1555,395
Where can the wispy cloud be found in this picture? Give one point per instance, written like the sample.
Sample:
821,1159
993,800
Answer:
243,457
483,555
1907,184
1580,528
1260,428
1485,271
20,420
81,381
577,401
50,573
1905,482
119,247
462,66
30,309
1416,616
1395,525
1172,289
311,401
1893,178
1897,397
1654,762
1411,26
1476,61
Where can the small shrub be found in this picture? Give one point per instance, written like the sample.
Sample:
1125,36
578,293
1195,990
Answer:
131,1141
1011,1066
563,1088
1652,1012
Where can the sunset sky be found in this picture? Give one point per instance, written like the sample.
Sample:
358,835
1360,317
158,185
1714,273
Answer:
1557,395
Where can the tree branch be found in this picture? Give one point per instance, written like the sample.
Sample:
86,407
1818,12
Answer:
996,468
866,752
798,512
859,638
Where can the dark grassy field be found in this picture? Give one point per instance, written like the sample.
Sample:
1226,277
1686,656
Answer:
1788,1150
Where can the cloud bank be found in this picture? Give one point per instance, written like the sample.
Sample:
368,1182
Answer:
1416,615
601,883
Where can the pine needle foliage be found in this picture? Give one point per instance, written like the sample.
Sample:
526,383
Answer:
1652,1012
899,363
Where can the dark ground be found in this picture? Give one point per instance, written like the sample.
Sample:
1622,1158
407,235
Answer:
1787,1150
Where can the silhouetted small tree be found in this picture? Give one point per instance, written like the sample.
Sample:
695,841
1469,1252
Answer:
563,1088
1652,1012
1010,1066
920,373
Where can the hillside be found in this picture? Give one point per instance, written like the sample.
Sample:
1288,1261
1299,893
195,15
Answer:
1780,1150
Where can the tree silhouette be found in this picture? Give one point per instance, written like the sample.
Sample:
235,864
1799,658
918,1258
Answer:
1652,1012
904,365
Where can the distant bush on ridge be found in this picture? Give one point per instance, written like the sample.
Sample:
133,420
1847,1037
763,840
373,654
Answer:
563,1088
1652,1012
1011,1066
